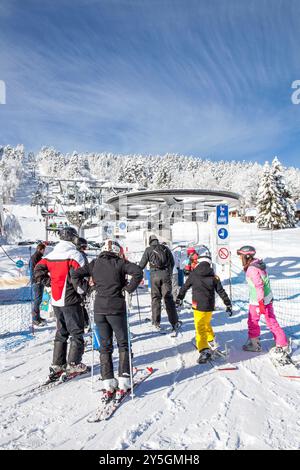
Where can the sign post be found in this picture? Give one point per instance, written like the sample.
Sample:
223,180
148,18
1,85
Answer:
223,252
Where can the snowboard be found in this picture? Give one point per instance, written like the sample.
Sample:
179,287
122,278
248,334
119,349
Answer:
45,300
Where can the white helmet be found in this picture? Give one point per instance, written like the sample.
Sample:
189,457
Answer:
111,246
203,254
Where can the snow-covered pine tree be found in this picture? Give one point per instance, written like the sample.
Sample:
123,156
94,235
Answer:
271,214
285,193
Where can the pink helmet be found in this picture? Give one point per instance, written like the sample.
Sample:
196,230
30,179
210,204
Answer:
247,250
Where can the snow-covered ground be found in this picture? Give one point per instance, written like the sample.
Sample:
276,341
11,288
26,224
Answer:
183,405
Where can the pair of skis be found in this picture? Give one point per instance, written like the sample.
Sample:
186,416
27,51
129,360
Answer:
54,380
219,360
106,410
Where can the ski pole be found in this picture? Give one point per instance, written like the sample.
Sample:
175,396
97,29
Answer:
31,290
138,305
92,371
91,314
129,350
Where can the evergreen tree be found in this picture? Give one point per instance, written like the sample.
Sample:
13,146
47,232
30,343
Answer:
273,209
285,193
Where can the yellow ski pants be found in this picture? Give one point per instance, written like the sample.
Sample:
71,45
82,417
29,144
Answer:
204,331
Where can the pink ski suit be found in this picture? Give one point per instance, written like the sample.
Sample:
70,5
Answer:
260,303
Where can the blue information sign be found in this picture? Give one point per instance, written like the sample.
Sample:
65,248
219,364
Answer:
223,233
222,215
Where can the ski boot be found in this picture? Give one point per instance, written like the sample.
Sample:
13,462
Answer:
205,356
123,387
39,322
177,325
56,372
156,326
280,354
109,390
213,344
252,345
76,369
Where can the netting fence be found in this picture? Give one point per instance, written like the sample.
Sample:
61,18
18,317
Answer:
285,284
15,317
15,304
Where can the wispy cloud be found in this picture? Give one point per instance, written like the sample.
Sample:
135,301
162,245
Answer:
208,78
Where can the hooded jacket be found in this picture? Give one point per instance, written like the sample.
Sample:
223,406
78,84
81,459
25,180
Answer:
109,273
58,265
258,282
204,284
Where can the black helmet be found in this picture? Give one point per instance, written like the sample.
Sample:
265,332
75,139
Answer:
69,234
81,243
247,250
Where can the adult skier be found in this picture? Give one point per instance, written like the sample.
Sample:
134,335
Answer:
37,287
66,302
260,303
204,284
82,246
109,273
161,262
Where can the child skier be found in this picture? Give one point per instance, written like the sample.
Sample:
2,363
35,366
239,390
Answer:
191,262
204,284
260,303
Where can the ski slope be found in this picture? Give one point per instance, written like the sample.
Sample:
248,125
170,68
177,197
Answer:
182,405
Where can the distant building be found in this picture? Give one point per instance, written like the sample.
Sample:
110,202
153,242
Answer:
233,212
250,215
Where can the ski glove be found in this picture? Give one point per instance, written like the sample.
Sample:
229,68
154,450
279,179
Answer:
179,302
262,307
229,310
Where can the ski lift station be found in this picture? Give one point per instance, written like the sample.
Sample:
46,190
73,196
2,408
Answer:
169,214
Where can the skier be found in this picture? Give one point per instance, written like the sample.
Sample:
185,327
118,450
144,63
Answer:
37,287
109,273
66,302
204,284
161,263
191,262
260,303
82,246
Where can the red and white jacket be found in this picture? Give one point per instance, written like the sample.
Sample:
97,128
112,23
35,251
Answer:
58,264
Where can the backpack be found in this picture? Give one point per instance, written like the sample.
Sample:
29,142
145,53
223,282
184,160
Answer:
158,257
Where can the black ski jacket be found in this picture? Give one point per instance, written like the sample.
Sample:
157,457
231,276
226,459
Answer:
35,258
146,257
109,272
204,284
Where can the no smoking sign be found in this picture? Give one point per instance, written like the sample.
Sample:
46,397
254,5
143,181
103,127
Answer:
223,255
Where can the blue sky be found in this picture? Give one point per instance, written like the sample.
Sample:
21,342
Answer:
210,78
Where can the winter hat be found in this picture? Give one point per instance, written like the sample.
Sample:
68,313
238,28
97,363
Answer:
152,238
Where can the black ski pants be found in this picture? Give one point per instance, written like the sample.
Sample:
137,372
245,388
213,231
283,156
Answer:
69,323
161,288
108,325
